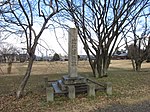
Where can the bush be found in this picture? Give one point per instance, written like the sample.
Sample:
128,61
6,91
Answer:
56,57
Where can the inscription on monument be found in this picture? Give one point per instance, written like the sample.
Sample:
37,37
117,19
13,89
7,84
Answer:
72,63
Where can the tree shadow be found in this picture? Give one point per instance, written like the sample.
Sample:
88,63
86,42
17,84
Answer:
138,107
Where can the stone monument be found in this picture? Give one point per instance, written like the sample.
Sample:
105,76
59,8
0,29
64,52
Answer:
72,83
72,53
73,77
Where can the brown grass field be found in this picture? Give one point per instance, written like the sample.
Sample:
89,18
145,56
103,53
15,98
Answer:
44,67
129,88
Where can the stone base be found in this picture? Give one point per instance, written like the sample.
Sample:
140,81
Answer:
73,80
61,85
72,85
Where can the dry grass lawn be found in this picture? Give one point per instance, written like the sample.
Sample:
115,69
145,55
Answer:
44,67
61,67
129,88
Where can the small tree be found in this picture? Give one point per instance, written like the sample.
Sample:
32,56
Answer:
8,53
139,50
22,18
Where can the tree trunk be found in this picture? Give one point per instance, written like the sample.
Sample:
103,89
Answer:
133,65
96,73
138,66
100,67
106,65
93,65
25,79
9,67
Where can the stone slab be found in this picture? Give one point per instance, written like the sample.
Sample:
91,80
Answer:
50,94
109,88
71,91
73,80
91,90
57,88
62,86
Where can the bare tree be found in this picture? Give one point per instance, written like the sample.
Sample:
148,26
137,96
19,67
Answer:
23,17
8,54
140,48
8,51
99,24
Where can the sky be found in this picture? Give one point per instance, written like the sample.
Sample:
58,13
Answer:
49,42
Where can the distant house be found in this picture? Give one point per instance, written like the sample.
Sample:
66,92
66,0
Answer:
120,56
82,57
